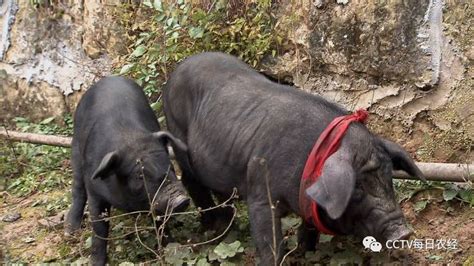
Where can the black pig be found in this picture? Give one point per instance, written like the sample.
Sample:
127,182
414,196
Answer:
229,115
119,159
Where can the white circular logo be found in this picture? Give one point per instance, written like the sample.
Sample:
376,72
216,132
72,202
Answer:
371,243
375,246
367,240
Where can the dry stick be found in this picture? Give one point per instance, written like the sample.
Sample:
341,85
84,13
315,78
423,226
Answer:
223,204
272,210
140,240
10,144
450,172
159,235
287,254
137,229
36,138
222,234
152,201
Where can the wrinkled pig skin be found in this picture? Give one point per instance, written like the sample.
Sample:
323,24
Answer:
119,159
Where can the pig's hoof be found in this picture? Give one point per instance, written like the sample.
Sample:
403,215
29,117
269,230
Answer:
70,231
217,220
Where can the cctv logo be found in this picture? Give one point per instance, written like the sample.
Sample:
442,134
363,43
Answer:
372,244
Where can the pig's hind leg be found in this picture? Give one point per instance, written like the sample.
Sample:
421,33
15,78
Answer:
79,198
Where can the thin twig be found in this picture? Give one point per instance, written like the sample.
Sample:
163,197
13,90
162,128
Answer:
140,240
223,204
140,229
287,254
272,210
219,236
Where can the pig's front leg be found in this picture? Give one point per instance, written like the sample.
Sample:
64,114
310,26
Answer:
308,237
76,212
265,218
99,210
266,232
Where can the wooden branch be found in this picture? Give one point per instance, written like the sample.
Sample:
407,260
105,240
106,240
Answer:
36,138
450,172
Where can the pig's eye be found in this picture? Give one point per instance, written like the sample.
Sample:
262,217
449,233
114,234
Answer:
372,165
358,194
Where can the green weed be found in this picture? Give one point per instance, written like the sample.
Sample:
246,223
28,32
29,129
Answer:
28,167
173,30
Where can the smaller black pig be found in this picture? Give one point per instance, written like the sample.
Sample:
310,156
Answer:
120,159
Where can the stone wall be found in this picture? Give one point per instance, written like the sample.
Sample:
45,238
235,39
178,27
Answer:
408,62
51,52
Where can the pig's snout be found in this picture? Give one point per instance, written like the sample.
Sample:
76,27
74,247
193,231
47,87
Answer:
401,234
172,200
180,203
398,232
393,226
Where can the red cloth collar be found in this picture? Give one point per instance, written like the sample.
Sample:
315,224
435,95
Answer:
327,143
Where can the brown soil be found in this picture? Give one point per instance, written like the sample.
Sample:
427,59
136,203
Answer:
439,220
442,220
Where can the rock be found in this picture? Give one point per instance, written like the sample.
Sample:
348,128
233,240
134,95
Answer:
52,222
407,63
29,239
11,217
50,52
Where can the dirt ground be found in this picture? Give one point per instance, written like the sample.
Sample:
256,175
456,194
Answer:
32,238
443,221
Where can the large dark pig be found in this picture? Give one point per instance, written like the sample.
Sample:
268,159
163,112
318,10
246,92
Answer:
119,159
232,117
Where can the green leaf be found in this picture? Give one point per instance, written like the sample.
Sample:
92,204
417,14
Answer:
47,120
290,223
88,242
161,17
420,205
467,195
156,106
202,262
346,257
147,3
139,51
175,254
224,250
175,35
161,119
449,194
169,21
325,238
196,32
434,257
126,68
158,5
212,256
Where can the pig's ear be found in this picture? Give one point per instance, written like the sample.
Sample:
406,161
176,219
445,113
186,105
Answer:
168,137
334,187
108,162
401,160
